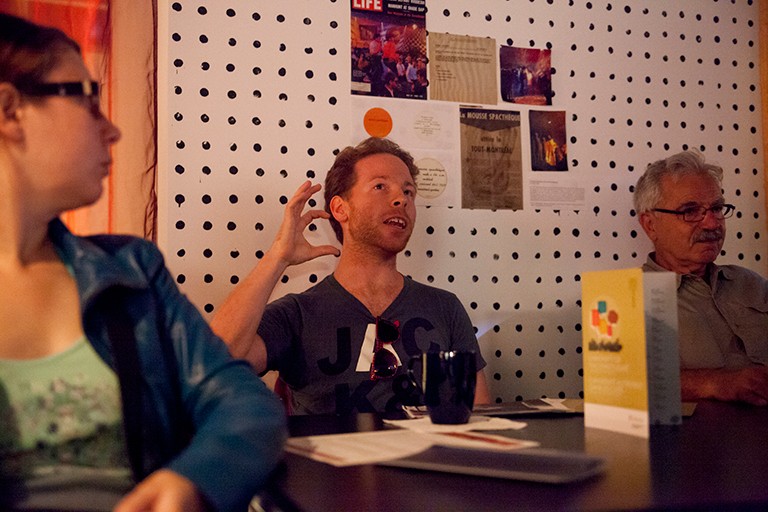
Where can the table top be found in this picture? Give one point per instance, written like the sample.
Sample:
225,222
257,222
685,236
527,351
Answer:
718,458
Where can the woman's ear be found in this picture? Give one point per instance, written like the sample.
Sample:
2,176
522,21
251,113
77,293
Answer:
10,103
339,209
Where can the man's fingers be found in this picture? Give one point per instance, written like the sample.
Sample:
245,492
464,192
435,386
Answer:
311,215
302,195
323,250
305,191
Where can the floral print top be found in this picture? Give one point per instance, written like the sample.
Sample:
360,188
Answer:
62,409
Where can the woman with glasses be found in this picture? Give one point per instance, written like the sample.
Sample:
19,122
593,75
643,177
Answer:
113,390
722,309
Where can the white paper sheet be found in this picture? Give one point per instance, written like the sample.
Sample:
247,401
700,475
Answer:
424,424
372,447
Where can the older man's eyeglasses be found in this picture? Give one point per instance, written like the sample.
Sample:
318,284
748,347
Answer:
697,213
87,89
384,363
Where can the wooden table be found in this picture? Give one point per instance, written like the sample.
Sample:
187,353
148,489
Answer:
717,459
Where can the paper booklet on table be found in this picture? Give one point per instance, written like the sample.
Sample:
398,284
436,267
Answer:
630,350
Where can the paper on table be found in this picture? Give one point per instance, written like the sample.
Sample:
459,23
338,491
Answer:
424,424
527,407
373,447
359,447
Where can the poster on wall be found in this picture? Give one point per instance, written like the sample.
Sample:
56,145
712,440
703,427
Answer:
491,159
549,149
550,183
462,69
526,75
388,48
429,131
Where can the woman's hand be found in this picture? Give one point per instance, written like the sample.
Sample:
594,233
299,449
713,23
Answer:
163,491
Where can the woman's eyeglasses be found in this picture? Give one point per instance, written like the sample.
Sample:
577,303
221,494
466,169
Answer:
384,363
87,89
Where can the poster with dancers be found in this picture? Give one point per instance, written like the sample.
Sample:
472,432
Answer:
526,75
549,147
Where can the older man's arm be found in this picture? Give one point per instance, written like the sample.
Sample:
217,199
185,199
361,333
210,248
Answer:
748,385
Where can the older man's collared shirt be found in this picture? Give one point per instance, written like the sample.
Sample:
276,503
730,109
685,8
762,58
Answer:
722,320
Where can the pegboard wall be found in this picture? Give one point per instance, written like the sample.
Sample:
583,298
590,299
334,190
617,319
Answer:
254,98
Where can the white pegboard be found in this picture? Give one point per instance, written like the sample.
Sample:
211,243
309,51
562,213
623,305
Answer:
254,99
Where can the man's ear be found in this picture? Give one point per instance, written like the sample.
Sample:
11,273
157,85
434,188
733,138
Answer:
648,223
339,209
10,102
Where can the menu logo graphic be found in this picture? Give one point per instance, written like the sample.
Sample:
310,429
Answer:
604,323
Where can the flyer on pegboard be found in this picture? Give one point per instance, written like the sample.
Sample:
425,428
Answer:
388,48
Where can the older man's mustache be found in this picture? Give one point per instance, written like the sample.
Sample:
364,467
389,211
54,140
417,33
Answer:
710,235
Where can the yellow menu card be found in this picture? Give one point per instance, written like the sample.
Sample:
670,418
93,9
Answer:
630,350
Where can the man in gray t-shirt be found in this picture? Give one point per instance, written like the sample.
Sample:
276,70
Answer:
722,310
321,341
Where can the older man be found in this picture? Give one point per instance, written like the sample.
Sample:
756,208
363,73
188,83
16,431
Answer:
722,309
